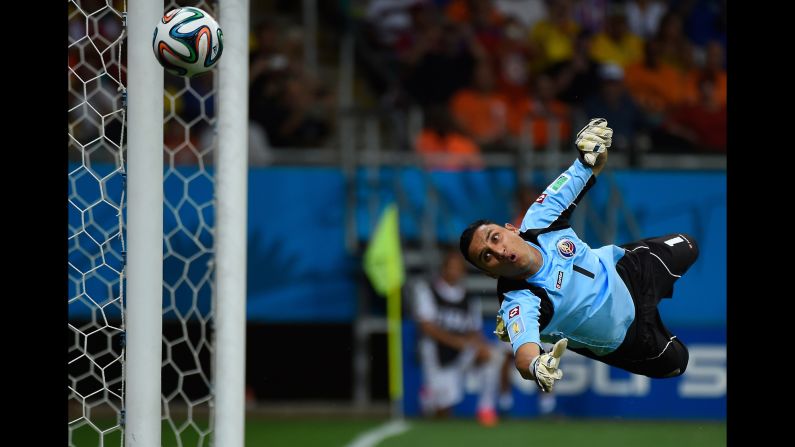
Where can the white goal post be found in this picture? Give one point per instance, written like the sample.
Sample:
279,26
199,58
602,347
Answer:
157,232
231,219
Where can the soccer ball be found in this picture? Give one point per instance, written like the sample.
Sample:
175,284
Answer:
188,41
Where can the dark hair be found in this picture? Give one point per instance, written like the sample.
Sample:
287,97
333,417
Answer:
466,237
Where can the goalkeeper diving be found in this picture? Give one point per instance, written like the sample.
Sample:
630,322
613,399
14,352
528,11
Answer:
598,302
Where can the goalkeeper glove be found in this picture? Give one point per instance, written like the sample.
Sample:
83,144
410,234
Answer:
500,330
545,367
593,139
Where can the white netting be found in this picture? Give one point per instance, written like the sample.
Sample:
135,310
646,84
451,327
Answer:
96,200
96,238
189,121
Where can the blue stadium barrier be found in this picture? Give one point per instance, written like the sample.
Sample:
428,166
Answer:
592,389
300,271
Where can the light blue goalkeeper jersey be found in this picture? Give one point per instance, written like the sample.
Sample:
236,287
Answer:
577,293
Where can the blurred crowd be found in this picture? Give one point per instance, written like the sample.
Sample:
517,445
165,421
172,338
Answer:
290,105
490,72
486,75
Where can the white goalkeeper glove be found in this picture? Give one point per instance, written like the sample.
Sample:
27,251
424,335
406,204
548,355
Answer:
545,367
593,139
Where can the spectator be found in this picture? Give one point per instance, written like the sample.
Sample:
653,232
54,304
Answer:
537,112
390,28
700,127
714,70
452,343
553,38
292,111
613,103
512,58
617,44
480,111
577,77
644,17
441,63
267,56
675,49
485,19
443,146
292,107
654,84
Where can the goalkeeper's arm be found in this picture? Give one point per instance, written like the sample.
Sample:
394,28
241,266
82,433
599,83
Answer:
540,367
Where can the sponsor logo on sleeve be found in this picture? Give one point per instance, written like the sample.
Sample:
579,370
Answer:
541,198
559,182
566,248
560,280
513,312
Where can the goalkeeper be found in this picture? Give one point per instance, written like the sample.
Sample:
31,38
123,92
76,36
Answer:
553,287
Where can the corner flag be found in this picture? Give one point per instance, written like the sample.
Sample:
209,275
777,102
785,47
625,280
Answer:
383,264
383,260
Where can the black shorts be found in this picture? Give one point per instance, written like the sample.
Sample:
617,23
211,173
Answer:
649,269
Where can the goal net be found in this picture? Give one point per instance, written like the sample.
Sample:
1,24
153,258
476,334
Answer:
96,258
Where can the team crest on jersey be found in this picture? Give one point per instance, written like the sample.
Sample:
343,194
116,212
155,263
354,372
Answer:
541,198
513,312
566,248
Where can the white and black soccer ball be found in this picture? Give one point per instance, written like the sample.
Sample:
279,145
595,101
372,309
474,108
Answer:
188,41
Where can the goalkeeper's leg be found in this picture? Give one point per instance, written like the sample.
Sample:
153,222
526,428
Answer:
672,355
649,349
667,257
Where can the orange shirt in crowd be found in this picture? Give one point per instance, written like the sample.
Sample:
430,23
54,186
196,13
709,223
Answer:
482,115
452,151
719,86
538,115
657,90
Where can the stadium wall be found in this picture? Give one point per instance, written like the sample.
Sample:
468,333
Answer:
299,269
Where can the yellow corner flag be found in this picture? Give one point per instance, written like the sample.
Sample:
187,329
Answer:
383,260
383,264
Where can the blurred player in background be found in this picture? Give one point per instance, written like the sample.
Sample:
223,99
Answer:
452,344
552,287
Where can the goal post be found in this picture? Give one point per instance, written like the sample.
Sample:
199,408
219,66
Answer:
157,232
231,221
144,305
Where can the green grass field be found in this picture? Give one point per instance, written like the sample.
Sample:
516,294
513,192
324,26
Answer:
459,433
562,433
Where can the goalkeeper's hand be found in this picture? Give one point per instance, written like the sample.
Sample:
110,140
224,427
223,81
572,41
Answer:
545,367
593,139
